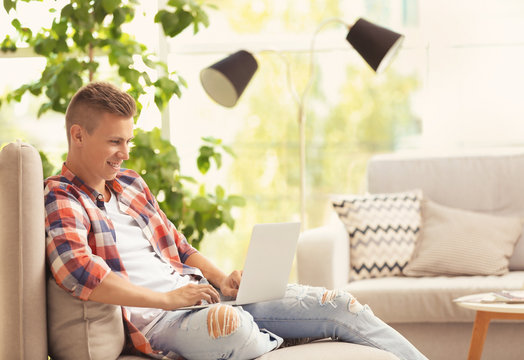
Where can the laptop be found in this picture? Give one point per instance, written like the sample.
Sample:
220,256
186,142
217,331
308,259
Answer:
267,265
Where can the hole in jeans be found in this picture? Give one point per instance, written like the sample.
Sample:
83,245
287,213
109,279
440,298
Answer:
330,296
222,320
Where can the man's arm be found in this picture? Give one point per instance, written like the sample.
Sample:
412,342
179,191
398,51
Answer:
228,285
119,291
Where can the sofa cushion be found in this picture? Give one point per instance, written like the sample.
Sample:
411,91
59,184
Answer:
82,330
382,231
461,242
326,349
427,299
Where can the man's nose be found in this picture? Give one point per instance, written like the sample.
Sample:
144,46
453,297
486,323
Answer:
124,152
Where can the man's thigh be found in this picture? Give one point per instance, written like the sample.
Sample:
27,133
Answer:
216,332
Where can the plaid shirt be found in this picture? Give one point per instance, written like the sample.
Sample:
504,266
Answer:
80,238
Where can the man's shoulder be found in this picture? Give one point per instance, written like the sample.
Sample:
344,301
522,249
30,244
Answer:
128,177
56,181
59,189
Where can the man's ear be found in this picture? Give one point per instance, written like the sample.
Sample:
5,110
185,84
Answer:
77,134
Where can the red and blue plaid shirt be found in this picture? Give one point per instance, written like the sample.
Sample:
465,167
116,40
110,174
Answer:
81,240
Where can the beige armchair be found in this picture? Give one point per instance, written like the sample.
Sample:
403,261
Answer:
34,316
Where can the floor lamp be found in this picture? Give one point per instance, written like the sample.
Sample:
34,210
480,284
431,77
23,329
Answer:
226,80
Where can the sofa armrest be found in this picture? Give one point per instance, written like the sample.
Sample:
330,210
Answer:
323,256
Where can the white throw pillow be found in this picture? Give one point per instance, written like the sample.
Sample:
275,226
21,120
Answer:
460,242
382,228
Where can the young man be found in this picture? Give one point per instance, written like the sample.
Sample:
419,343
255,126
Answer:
108,241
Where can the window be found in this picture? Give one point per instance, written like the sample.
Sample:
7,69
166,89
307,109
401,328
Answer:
455,84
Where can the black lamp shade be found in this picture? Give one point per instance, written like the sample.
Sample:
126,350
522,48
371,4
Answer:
226,80
376,45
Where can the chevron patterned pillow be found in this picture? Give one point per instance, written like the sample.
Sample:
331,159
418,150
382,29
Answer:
382,231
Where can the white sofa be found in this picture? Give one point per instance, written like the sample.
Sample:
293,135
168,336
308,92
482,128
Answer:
421,308
26,329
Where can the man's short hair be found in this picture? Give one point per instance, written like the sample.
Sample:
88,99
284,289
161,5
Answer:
94,99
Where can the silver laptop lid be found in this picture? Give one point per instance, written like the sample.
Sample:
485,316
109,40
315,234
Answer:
268,262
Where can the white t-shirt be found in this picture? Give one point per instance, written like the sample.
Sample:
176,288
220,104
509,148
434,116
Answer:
142,263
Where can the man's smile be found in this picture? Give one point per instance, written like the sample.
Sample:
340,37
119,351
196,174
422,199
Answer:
114,164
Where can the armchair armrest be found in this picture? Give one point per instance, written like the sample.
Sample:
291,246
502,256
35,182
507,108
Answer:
323,256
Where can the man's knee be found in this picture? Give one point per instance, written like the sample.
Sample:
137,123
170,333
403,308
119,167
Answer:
238,333
339,296
222,320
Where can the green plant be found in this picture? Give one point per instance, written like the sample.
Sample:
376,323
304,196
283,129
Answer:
192,209
85,33
47,166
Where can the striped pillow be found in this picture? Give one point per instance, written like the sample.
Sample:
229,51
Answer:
382,231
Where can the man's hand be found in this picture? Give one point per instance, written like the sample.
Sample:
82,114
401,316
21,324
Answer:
119,291
191,294
229,286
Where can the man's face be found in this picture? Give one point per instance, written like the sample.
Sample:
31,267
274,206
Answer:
104,149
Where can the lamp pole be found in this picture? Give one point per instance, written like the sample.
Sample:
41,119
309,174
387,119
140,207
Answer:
300,101
302,140
301,117
301,114
375,44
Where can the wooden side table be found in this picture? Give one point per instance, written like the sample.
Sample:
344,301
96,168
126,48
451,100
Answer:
485,313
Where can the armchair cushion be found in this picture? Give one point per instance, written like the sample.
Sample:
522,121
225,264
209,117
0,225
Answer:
82,330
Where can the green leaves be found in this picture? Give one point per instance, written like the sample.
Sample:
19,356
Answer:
44,46
211,151
8,44
9,4
184,200
173,23
185,13
165,88
110,5
48,168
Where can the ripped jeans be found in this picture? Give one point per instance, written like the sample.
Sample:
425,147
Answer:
247,332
